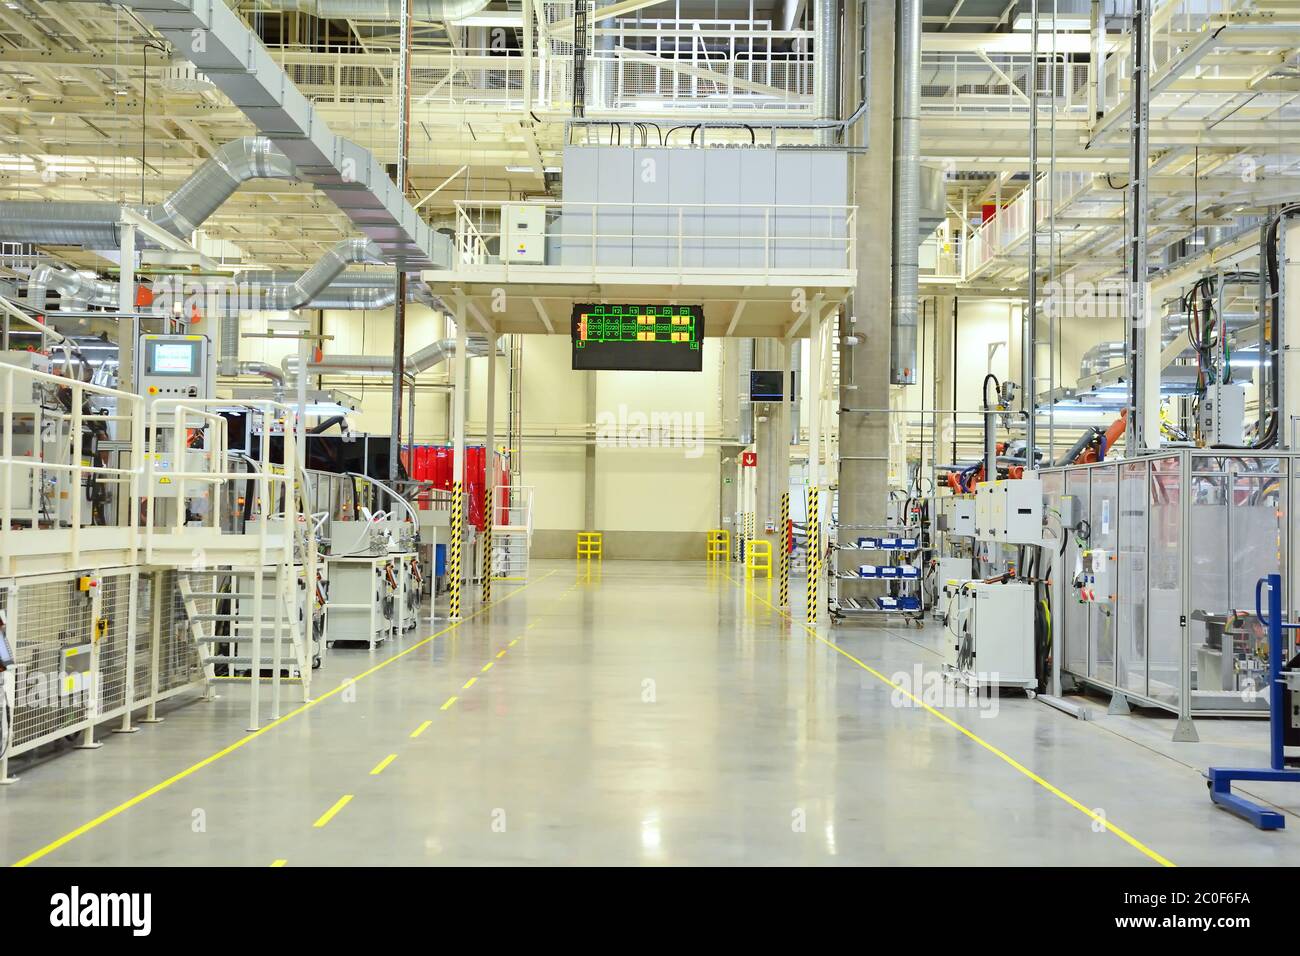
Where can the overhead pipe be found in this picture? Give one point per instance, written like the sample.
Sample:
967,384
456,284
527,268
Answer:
385,10
96,225
907,193
826,66
422,360
294,295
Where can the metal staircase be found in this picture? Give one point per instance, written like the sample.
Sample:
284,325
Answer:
254,627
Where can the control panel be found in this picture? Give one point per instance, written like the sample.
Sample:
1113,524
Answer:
1010,511
173,367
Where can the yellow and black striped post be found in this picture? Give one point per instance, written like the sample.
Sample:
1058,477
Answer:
814,552
782,542
457,539
488,518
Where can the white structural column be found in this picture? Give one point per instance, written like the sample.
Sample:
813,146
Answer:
816,542
455,564
126,306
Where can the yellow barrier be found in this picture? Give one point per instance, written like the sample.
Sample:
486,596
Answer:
758,557
591,544
718,545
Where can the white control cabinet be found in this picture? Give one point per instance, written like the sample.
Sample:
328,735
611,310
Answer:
992,635
1010,511
523,233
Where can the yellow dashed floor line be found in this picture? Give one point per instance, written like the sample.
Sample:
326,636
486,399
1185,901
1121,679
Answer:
275,863
486,667
500,654
382,765
450,700
469,683
332,812
421,729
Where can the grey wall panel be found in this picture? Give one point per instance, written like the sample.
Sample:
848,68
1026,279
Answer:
794,172
757,186
723,222
614,219
655,222
686,190
581,168
829,186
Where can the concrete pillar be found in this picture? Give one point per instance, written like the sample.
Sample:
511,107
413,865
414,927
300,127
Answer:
864,374
589,463
772,445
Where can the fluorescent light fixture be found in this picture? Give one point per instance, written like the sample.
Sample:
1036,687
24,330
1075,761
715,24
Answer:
519,169
1065,23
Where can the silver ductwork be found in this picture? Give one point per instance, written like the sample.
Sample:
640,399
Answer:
75,290
907,188
1100,357
420,361
826,50
386,10
291,295
349,291
95,225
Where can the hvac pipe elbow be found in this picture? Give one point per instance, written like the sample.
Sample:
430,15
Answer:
235,163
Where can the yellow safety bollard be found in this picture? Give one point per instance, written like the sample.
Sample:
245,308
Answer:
758,557
591,544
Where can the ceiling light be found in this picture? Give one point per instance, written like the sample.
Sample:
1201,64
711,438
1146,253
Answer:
519,169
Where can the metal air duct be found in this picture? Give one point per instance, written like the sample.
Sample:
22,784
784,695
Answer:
826,49
907,188
95,225
389,11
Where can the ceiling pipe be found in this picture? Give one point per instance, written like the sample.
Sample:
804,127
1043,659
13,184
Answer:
97,225
422,360
386,10
907,193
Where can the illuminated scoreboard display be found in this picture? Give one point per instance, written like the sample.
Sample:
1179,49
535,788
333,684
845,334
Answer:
638,338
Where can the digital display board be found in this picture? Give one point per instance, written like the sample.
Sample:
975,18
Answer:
638,338
765,385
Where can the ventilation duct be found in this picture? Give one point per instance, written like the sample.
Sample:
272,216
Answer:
907,190
76,291
1100,357
421,361
826,50
389,11
293,295
233,58
95,225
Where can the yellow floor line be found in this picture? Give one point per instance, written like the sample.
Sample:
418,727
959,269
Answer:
486,667
421,729
469,683
275,863
514,642
249,738
500,654
383,765
1097,818
332,812
450,700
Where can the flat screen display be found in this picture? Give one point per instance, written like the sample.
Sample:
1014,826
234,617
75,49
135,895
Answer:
644,338
173,358
765,385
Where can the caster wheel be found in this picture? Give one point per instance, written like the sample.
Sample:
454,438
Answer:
315,663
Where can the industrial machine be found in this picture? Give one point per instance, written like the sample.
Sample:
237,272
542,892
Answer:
991,626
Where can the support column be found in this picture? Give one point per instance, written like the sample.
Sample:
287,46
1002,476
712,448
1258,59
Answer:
864,368
771,445
589,462
126,343
489,451
1139,161
783,463
454,570
815,477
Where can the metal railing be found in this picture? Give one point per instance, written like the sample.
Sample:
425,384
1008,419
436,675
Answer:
673,237
53,456
981,83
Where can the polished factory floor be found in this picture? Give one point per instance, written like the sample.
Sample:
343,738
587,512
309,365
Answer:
645,714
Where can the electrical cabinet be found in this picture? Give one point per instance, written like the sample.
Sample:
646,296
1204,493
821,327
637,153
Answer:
1010,511
992,631
956,515
523,233
1221,415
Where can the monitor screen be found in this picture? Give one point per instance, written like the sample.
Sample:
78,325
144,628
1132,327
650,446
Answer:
651,338
173,358
765,385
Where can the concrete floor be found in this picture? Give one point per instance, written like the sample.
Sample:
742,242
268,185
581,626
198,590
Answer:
654,713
